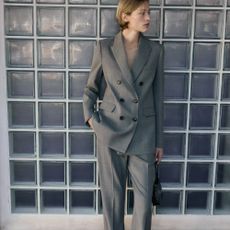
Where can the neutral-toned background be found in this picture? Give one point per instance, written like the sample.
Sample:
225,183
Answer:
48,164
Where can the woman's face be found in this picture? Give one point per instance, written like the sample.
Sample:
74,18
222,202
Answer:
139,19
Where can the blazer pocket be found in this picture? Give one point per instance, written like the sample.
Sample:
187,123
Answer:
107,106
96,117
149,111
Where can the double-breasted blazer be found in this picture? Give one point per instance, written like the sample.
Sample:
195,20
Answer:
130,115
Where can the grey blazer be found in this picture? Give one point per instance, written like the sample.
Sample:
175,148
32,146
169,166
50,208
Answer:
130,116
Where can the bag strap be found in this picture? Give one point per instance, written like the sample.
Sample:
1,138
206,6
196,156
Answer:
156,172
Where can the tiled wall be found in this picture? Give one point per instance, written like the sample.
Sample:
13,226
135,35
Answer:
49,47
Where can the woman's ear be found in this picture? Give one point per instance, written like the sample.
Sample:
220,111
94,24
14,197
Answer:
124,17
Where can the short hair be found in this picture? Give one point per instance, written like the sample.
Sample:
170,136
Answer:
127,7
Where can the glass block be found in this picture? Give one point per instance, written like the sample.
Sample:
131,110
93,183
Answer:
206,56
225,117
176,55
108,2
50,21
208,24
113,2
178,2
80,54
82,202
24,201
175,177
23,173
19,53
225,87
53,201
51,1
177,23
155,2
198,202
222,204
52,144
202,116
81,144
175,86
76,119
20,84
227,56
201,145
170,203
21,114
51,84
154,28
204,86
227,26
19,20
224,145
100,206
82,22
209,2
174,145
77,83
22,143
83,1
199,174
109,25
222,174
82,173
19,1
175,116
52,115
51,54
52,173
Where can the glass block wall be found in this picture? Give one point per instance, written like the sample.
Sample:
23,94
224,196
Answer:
53,165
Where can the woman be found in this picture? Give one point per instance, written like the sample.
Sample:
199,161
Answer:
127,75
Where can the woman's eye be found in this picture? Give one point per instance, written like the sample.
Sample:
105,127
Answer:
144,12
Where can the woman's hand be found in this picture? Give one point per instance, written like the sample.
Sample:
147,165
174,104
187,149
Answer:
90,122
159,154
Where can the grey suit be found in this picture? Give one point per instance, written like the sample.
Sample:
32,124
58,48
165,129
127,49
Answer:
128,124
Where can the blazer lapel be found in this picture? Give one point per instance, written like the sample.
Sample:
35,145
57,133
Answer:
141,58
120,56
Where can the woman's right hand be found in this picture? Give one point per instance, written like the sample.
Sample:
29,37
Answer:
90,121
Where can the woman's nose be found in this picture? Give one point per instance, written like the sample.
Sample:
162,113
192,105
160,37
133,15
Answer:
147,17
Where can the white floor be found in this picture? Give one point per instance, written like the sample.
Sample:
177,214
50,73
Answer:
188,222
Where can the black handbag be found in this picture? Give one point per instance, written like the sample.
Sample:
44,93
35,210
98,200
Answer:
157,189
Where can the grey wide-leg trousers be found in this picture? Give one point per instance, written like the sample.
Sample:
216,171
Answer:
113,170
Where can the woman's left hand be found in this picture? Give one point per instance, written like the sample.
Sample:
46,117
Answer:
159,154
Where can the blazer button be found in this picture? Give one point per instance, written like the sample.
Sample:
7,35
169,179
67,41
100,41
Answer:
135,100
122,117
118,82
122,100
141,83
135,119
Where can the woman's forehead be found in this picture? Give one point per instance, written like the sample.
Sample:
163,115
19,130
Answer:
143,6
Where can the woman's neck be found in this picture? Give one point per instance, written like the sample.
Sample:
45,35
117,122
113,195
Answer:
131,38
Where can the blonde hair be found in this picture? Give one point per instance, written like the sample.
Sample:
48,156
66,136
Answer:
127,7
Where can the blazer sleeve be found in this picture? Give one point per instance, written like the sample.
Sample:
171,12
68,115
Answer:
92,89
158,91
